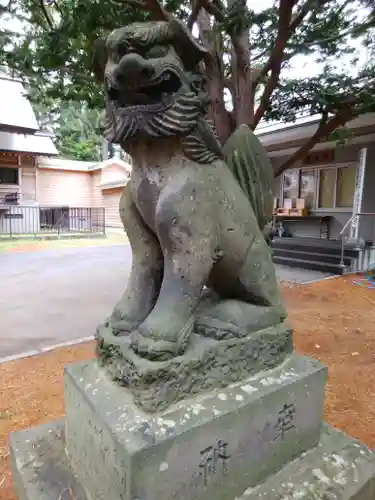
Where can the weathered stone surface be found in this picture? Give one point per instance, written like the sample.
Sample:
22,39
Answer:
339,468
213,446
41,469
196,213
207,364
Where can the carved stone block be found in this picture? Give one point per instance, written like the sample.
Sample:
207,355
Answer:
40,467
339,467
213,446
206,365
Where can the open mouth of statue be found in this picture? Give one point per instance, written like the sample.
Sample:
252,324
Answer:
154,93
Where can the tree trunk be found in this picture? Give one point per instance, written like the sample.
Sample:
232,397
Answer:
215,80
217,111
242,91
243,98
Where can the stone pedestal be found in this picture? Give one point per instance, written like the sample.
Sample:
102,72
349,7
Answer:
261,438
228,439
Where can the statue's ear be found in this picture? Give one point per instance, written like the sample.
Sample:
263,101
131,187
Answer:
190,50
99,58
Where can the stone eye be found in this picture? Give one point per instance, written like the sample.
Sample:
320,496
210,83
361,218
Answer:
157,51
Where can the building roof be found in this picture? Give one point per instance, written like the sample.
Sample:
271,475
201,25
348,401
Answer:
65,164
114,184
110,163
37,144
16,112
81,166
285,137
272,127
305,125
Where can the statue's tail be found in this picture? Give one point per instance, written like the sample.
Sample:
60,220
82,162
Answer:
248,161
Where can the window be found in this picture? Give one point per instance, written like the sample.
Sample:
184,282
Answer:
335,189
337,186
307,187
8,175
327,184
300,184
345,186
290,184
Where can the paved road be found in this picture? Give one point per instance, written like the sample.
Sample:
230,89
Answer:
50,297
55,296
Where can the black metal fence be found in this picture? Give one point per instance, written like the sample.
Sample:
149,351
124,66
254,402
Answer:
18,220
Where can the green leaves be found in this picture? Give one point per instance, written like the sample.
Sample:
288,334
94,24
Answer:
77,129
328,93
54,53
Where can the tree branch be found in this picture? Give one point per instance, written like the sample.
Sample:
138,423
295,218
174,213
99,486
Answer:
56,6
286,30
6,9
46,15
326,127
195,9
228,84
153,6
275,60
213,9
351,31
259,56
300,16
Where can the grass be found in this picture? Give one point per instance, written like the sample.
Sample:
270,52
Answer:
25,244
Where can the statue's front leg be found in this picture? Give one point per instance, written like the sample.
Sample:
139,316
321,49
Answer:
146,273
188,244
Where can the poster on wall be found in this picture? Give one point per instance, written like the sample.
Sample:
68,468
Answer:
358,191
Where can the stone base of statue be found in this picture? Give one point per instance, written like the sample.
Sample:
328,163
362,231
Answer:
207,364
260,438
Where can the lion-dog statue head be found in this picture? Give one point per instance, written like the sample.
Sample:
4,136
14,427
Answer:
153,86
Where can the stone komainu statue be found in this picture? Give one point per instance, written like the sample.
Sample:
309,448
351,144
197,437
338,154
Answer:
194,212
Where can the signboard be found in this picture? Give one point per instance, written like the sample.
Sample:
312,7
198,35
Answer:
358,192
13,216
320,157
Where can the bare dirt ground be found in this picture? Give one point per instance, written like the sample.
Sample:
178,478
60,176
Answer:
333,321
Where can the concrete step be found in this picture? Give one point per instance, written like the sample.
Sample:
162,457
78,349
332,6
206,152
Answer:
309,264
314,246
308,255
339,468
40,467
